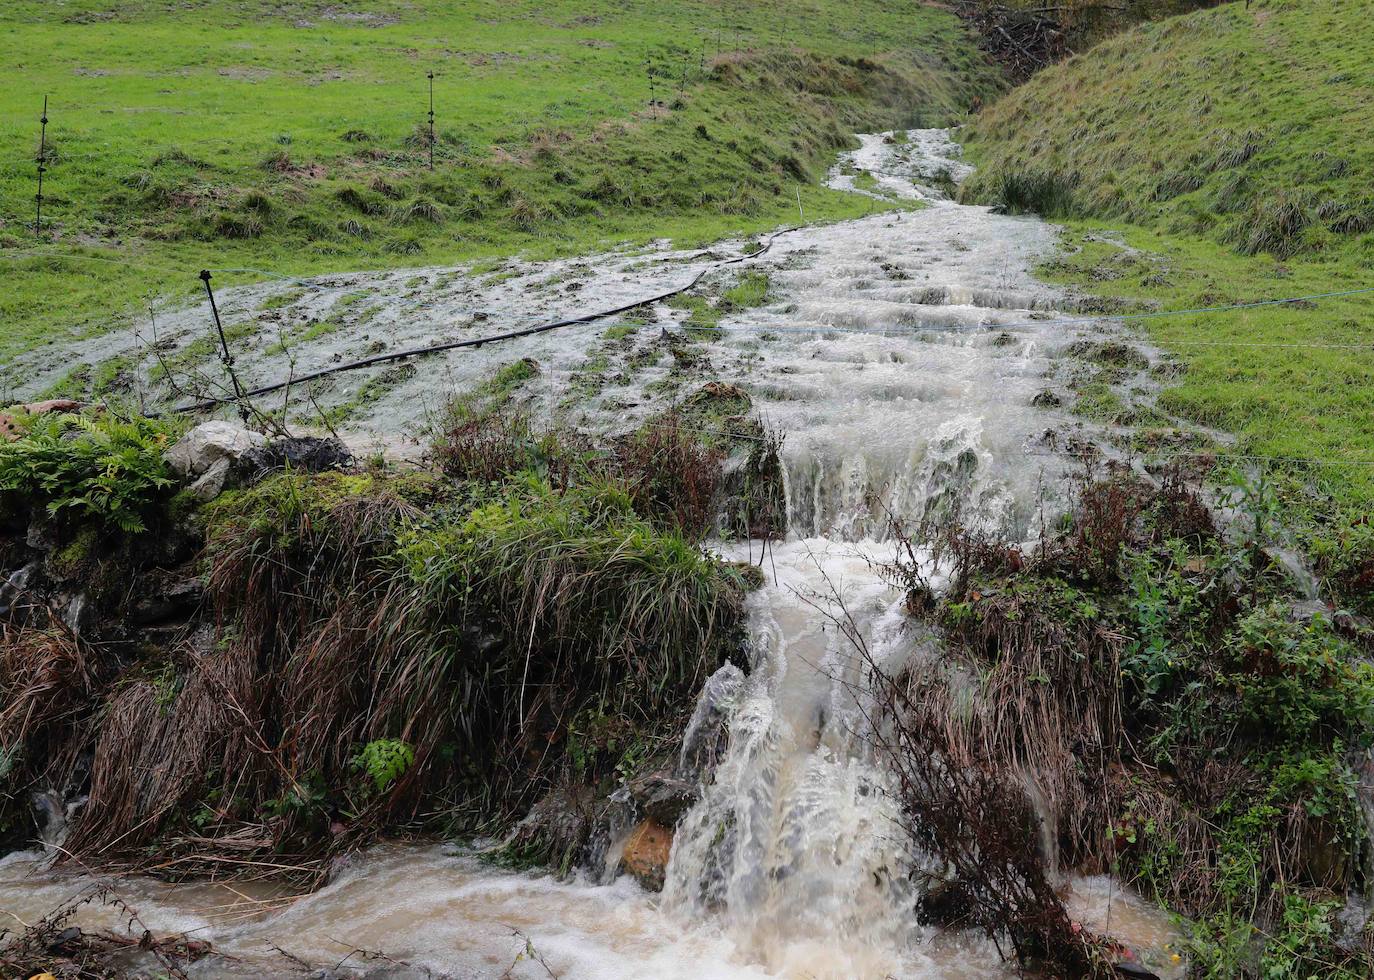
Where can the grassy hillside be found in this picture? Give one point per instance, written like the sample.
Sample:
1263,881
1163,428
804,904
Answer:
293,138
1249,126
1219,158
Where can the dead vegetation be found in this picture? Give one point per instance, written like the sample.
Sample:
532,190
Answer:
1133,695
378,651
54,947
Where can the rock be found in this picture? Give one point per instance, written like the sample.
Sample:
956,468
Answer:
663,797
558,827
199,450
9,429
163,596
212,482
53,405
304,454
646,852
1047,399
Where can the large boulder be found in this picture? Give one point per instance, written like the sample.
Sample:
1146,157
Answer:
209,445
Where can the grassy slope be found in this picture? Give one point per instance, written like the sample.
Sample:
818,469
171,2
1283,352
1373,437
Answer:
1248,126
212,133
1260,112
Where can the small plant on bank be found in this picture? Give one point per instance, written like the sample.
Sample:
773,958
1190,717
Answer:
83,468
384,760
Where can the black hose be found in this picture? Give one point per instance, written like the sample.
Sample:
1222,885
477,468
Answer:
210,403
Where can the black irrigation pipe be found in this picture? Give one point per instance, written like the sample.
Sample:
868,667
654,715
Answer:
401,355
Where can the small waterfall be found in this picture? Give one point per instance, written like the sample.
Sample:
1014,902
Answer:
796,845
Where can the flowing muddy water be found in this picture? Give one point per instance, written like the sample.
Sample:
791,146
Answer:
914,365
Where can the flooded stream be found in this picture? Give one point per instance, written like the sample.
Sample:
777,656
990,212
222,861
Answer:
904,356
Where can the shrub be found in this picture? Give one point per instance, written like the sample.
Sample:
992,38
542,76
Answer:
672,474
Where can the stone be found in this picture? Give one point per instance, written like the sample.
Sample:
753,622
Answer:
301,454
199,450
646,852
664,797
163,596
559,825
9,428
212,482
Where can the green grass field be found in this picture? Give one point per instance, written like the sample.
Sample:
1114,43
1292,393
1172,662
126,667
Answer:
292,138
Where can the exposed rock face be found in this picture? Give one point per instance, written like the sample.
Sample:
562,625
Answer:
646,854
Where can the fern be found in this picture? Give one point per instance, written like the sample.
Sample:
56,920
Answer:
83,468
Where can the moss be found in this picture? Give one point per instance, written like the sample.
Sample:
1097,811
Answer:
77,558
